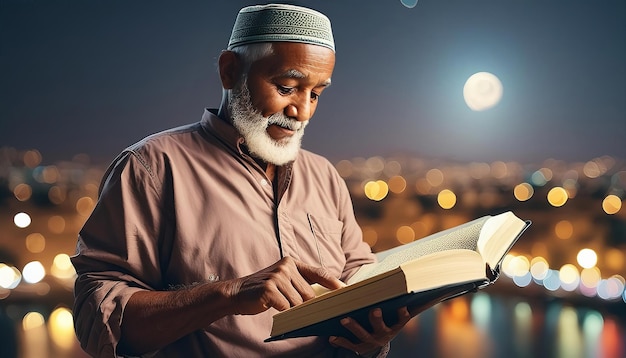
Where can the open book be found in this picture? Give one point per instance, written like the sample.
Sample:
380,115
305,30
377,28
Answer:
419,275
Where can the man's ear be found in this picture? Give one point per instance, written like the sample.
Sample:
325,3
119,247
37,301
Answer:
229,65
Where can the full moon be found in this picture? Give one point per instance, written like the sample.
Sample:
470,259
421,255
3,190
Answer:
482,91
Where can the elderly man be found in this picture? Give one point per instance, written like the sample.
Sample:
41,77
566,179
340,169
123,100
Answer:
203,232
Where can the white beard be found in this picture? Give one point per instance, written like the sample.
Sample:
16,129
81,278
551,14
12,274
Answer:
253,127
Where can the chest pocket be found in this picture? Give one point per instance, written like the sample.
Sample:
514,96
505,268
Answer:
327,234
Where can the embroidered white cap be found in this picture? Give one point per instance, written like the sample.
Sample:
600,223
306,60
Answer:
281,22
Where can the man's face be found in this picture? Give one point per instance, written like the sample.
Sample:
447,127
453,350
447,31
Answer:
273,103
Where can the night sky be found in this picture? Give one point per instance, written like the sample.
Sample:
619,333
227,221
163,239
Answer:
87,76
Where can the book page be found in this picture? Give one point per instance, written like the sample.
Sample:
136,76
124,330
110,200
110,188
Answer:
498,235
462,237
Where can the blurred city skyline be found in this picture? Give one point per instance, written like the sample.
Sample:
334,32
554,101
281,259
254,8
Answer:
567,271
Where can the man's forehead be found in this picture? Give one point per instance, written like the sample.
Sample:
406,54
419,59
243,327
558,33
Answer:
309,63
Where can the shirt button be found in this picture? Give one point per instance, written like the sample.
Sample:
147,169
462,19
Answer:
263,182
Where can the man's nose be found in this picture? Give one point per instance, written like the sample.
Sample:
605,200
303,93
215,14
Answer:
300,108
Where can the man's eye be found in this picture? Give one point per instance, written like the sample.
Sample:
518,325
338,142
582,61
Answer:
285,90
314,96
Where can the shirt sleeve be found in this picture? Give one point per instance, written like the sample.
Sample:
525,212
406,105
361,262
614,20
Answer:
117,252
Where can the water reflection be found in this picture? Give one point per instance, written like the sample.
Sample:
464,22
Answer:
482,325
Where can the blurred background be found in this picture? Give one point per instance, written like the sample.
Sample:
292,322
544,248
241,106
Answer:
439,112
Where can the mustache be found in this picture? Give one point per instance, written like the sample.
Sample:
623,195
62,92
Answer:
241,96
285,122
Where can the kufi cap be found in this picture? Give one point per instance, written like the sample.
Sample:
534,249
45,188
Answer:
281,22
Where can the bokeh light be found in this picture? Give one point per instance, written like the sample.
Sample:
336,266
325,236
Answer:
590,277
539,268
499,169
62,267
519,266
591,169
507,268
35,243
57,195
610,289
446,199
32,320
22,220
375,164
523,280
10,276
405,234
587,258
557,196
344,168
569,276
392,168
611,204
84,206
33,272
564,229
50,174
376,190
547,173
61,328
32,158
409,3
552,282
523,191
22,192
56,224
538,178
434,177
397,184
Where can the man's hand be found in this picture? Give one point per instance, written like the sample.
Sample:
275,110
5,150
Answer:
371,342
154,319
284,284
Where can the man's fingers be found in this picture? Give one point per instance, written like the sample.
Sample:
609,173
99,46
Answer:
404,316
278,302
282,285
304,290
377,322
288,291
287,283
319,275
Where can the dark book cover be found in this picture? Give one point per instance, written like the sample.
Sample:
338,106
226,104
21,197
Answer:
419,300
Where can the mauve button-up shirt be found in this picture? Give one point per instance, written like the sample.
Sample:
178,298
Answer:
189,205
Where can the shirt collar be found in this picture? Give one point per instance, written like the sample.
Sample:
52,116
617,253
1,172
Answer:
222,129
